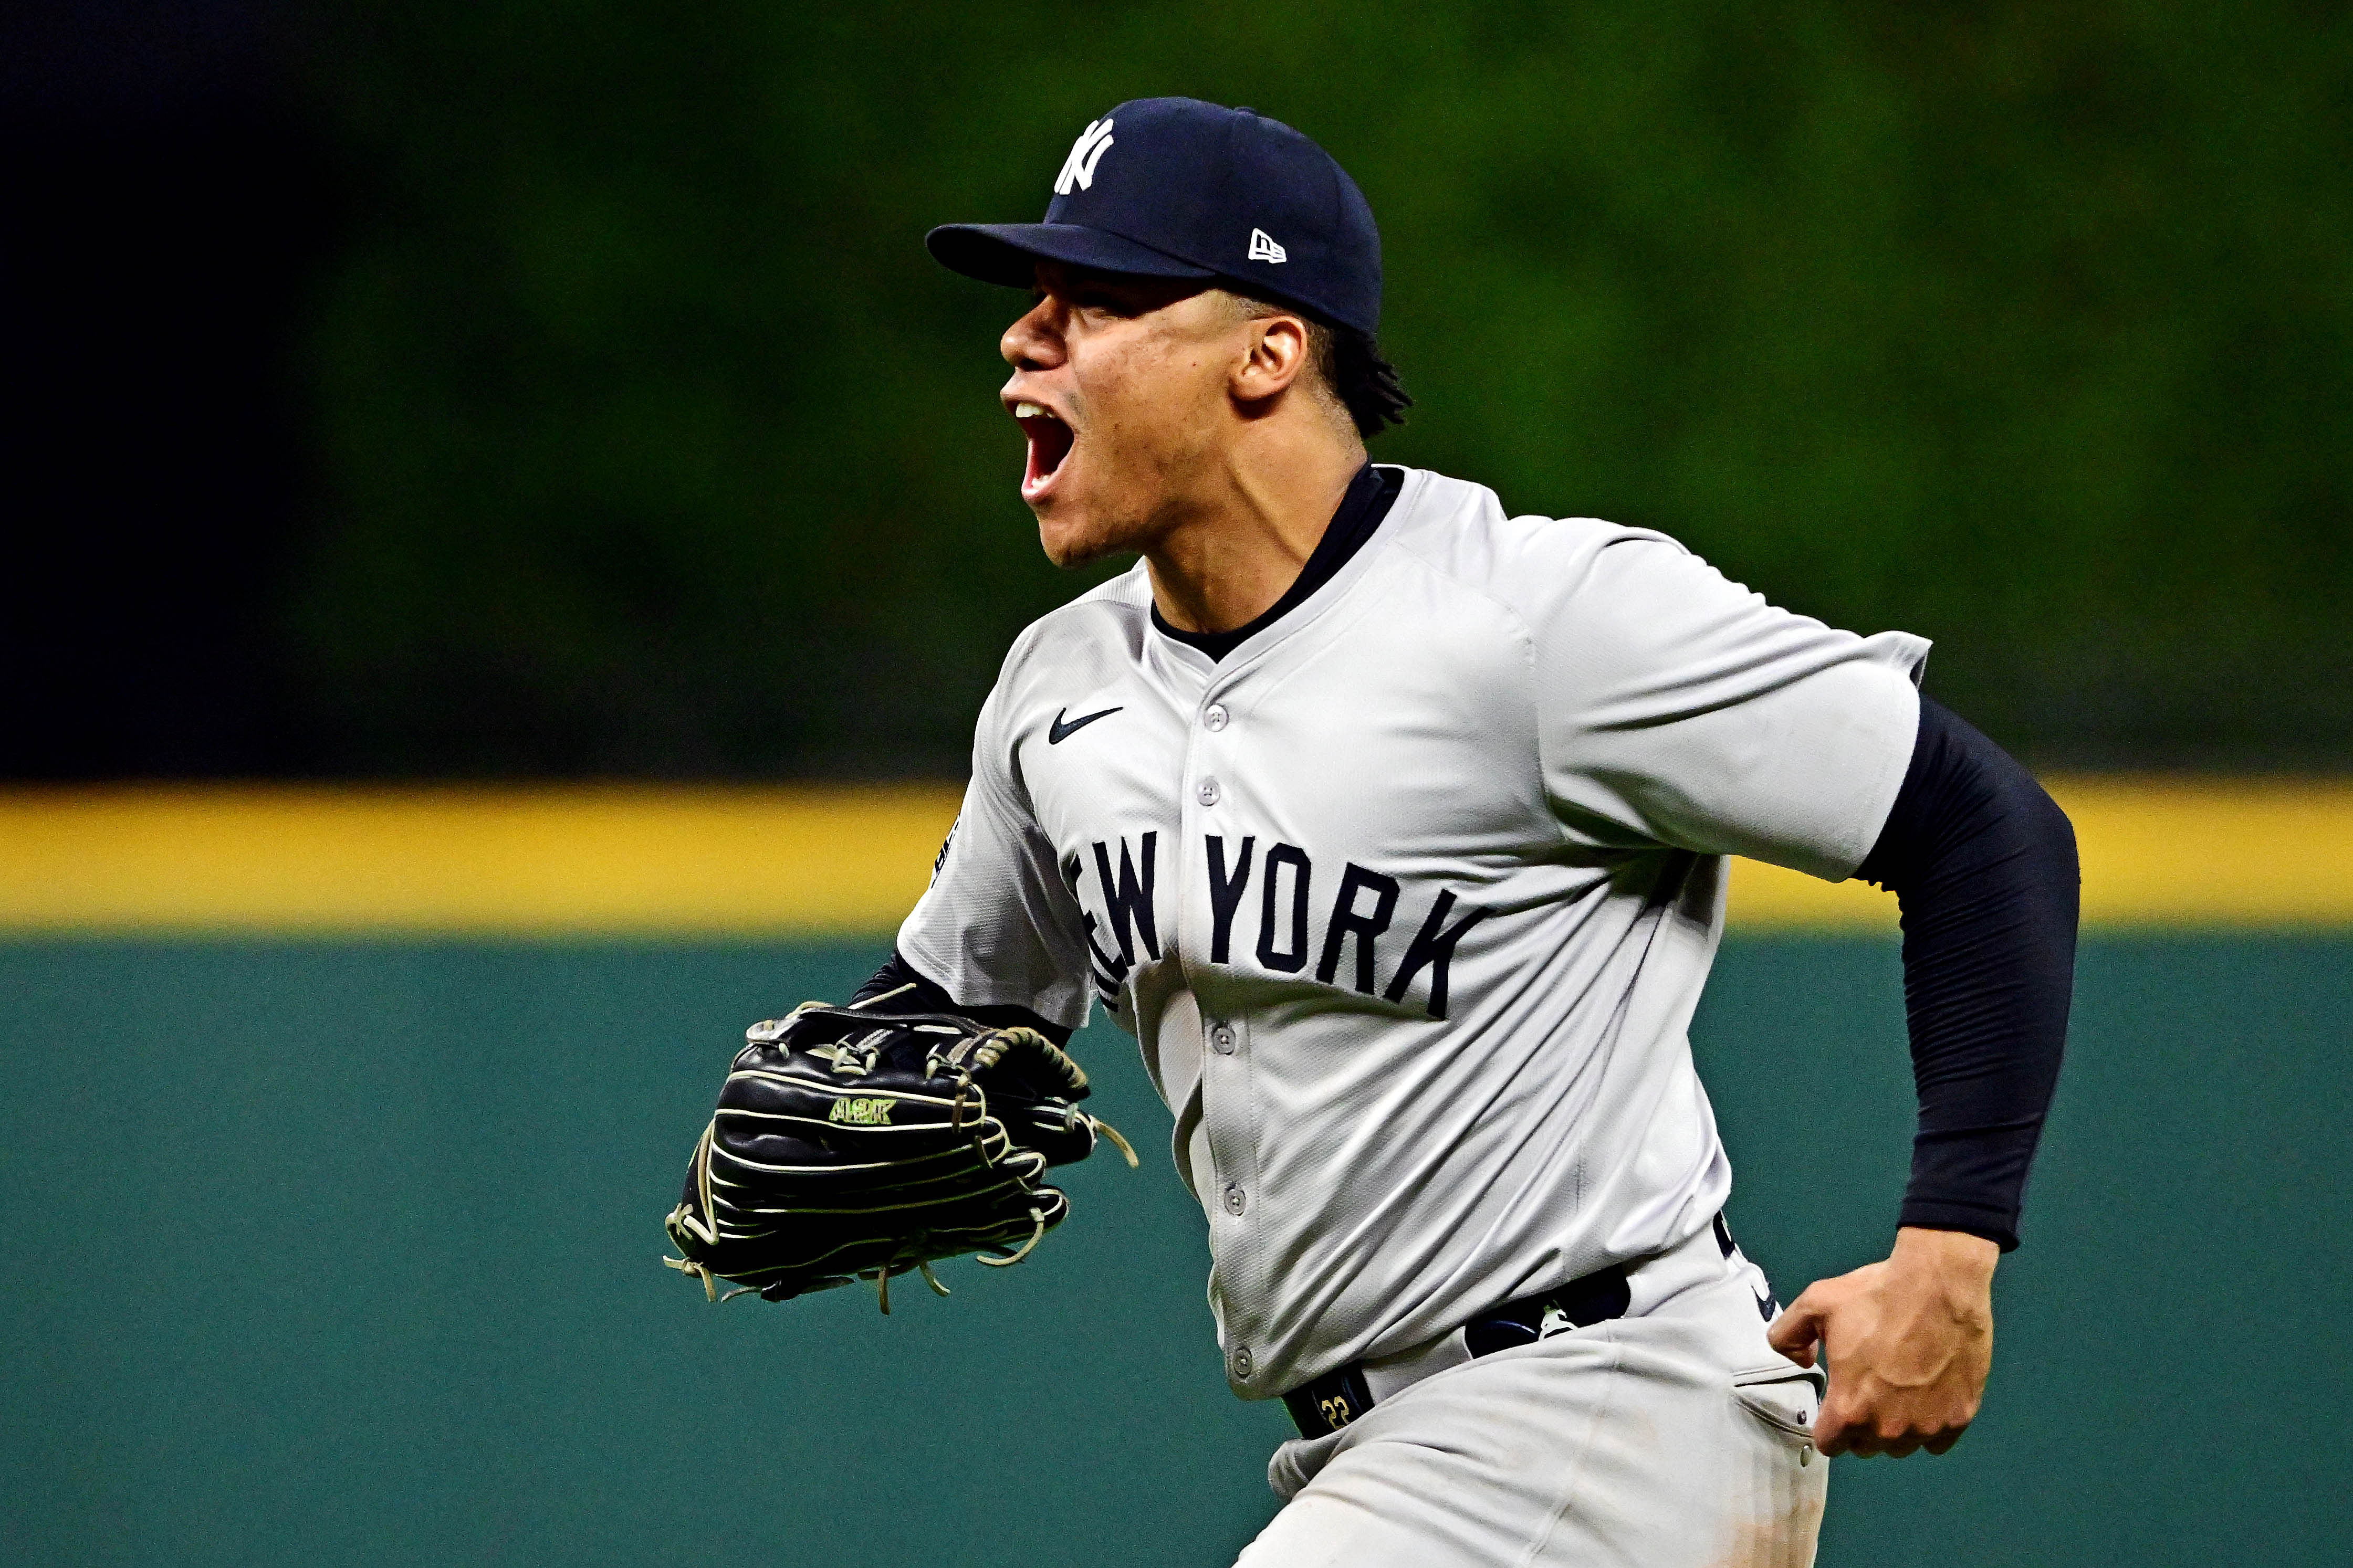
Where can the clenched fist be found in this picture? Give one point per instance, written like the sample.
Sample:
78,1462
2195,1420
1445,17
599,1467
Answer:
1908,1342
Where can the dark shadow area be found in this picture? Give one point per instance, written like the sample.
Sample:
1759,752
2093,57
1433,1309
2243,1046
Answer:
170,207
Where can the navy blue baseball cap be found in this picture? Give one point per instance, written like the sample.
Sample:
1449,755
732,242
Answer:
1173,187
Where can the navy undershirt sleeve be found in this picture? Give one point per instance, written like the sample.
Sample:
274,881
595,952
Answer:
1982,863
898,988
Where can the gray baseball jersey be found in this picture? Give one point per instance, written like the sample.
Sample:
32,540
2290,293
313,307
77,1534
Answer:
1408,900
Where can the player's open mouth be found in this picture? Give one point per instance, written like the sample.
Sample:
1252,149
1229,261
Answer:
1050,443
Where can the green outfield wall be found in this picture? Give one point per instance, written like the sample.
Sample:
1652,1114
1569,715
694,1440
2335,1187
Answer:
345,1253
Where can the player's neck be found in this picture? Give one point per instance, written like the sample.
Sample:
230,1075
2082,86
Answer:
1250,525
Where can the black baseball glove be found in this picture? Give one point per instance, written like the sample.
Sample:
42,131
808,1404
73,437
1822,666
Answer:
851,1145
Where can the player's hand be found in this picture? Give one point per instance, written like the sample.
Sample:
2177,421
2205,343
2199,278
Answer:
1908,1342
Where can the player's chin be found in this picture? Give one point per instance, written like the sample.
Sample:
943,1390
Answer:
1082,519
1069,536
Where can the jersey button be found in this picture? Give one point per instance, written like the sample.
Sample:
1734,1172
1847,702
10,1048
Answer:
1241,1361
1208,793
1216,717
1236,1200
1221,1039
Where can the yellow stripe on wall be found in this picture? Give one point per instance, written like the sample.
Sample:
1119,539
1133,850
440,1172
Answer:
806,861
534,861
2156,853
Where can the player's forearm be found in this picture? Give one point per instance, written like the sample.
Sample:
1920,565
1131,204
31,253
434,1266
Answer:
1983,863
898,987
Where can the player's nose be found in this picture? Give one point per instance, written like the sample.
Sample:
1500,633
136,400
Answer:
1035,342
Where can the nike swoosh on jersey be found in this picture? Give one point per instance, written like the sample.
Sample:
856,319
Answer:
1057,732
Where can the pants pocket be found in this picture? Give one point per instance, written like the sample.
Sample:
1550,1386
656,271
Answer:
1785,1396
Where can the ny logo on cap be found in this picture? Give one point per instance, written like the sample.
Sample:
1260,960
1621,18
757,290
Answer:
1263,248
1079,168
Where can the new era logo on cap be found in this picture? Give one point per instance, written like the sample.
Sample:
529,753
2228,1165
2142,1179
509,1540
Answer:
1263,248
1079,168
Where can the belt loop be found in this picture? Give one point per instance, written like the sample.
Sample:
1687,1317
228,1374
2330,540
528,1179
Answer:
1331,1402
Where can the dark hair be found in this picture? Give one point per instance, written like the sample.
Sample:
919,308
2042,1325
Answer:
1350,364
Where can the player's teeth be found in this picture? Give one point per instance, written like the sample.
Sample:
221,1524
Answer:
1029,411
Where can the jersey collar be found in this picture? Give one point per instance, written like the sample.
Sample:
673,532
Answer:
1378,492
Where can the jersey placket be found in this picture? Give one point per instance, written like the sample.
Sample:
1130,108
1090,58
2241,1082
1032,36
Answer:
1229,1106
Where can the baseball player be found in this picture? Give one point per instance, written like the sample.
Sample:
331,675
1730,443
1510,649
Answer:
1393,827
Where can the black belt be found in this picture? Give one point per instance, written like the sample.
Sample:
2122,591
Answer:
1339,1397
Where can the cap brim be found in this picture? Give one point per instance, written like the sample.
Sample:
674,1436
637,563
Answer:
1009,253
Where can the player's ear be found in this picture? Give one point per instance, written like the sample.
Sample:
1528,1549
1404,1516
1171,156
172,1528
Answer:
1275,353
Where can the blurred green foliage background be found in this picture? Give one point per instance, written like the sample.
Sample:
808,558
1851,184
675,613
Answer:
656,444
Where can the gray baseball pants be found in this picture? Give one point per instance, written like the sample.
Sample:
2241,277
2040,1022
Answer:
1671,1438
